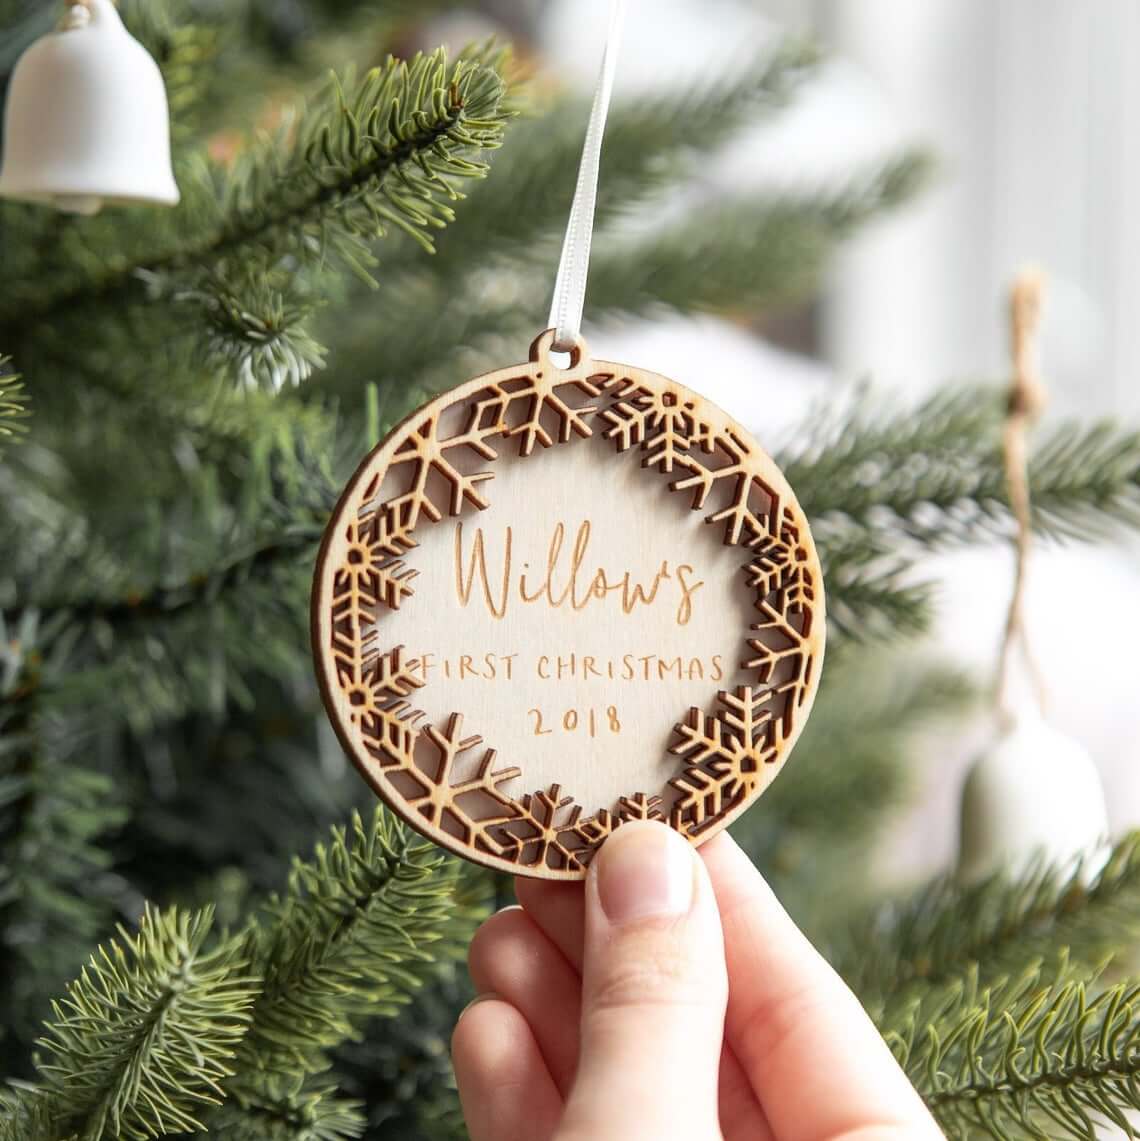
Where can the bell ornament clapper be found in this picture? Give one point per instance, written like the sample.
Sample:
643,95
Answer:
1033,795
87,121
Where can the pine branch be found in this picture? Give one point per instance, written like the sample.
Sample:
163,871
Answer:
13,404
164,418
851,440
933,475
1085,480
53,812
53,816
391,154
404,1073
185,608
146,1034
187,45
946,928
1043,1058
189,647
648,144
766,252
152,1030
287,1110
872,593
867,712
168,600
24,1116
261,336
351,938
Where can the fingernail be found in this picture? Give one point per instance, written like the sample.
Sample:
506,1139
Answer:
644,870
476,1000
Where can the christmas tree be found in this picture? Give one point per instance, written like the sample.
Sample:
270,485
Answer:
205,923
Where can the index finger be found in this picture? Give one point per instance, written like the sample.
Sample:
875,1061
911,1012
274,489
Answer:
817,1063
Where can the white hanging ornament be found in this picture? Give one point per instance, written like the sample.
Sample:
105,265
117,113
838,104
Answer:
1035,794
87,121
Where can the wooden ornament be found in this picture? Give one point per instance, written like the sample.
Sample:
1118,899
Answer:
553,600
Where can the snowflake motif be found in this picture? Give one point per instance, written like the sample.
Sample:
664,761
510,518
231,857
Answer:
545,834
428,453
394,531
628,414
394,675
700,801
640,807
393,583
384,678
543,400
798,586
592,832
469,806
365,583
730,735
779,646
751,504
664,424
390,733
725,754
366,561
770,561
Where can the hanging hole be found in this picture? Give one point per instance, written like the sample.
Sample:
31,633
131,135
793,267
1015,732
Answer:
560,357
567,355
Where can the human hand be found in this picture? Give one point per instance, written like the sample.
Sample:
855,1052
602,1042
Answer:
672,999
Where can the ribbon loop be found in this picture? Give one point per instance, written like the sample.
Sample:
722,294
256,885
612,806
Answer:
574,265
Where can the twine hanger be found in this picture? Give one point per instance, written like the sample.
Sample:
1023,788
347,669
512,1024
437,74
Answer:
77,15
1027,399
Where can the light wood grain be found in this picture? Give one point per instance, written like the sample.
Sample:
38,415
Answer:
553,600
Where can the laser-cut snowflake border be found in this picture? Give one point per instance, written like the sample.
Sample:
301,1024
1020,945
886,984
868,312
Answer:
723,753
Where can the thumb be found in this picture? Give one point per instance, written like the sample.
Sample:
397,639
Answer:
654,989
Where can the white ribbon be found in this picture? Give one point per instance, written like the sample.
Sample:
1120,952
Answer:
574,265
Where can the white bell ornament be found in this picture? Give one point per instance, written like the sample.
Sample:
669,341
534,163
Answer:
1033,795
87,121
